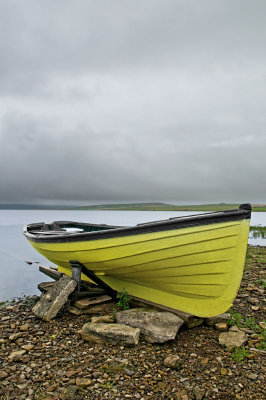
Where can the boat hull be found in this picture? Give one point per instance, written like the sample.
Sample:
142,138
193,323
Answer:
195,269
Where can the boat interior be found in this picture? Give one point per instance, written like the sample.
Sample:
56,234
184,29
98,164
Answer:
66,227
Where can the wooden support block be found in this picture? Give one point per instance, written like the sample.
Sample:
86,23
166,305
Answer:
76,275
51,272
85,303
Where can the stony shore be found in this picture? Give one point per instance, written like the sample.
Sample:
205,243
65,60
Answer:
54,362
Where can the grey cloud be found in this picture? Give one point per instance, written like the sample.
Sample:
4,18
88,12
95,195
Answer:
123,100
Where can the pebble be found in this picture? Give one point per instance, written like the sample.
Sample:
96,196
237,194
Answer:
51,388
3,375
129,372
221,326
14,336
223,371
16,355
27,347
198,394
172,361
252,376
22,386
83,382
24,328
253,300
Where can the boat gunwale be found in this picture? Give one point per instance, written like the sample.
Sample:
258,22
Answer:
244,212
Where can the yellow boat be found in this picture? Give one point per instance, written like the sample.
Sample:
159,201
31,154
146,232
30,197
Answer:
193,263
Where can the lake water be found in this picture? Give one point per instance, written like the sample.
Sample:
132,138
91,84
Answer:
18,278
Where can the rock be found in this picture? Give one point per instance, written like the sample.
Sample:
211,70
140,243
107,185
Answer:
5,318
71,373
24,328
16,308
14,336
114,333
2,341
223,371
85,303
221,318
252,376
16,355
234,329
51,388
181,395
172,361
27,347
122,361
232,339
253,300
22,386
221,326
91,310
198,394
129,371
102,319
51,303
255,308
3,374
83,382
75,311
156,326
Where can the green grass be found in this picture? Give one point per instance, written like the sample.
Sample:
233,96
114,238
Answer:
239,354
235,319
258,232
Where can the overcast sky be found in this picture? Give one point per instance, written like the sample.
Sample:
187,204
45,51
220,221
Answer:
125,100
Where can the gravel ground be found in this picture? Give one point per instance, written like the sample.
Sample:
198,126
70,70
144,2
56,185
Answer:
56,363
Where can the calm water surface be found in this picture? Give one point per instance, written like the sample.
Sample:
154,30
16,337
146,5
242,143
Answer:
17,278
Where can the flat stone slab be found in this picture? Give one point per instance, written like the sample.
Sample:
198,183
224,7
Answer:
114,333
85,303
56,297
155,326
234,338
98,308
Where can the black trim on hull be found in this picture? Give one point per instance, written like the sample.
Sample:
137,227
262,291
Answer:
108,232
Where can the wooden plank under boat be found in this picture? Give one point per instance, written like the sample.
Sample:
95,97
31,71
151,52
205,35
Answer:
193,263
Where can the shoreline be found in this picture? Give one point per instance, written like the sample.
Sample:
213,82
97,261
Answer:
55,358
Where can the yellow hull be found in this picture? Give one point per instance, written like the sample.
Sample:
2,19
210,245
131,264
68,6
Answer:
196,269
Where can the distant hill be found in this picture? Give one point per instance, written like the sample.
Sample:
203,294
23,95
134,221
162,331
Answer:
133,207
166,207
